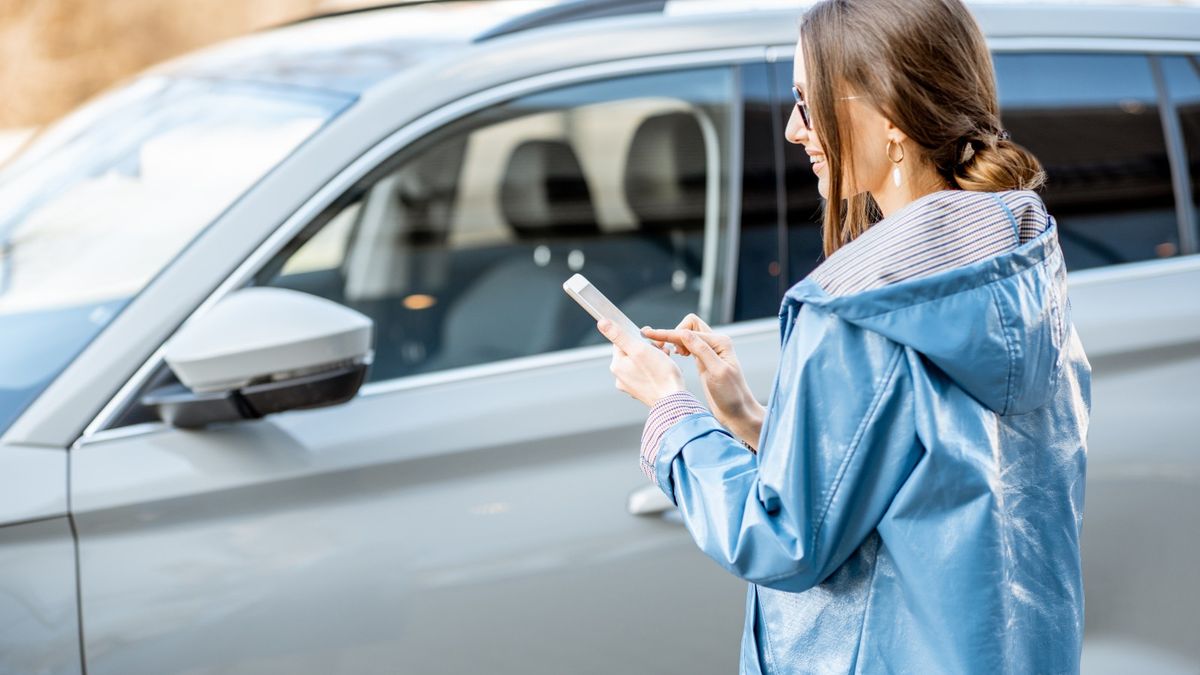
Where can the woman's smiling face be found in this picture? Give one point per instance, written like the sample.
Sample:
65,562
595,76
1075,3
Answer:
865,127
796,131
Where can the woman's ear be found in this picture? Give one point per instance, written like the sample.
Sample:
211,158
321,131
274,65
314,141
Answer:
891,131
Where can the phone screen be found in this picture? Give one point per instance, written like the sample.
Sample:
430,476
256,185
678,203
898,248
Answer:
598,305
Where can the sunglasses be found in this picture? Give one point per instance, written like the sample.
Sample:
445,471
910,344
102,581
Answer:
802,106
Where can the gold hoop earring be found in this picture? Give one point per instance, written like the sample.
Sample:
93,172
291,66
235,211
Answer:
896,162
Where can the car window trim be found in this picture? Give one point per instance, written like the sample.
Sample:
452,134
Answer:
1177,159
1008,44
731,58
733,205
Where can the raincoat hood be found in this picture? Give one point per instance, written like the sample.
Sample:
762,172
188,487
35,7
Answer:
1004,351
915,499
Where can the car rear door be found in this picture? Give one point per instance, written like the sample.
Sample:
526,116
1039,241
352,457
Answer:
1118,133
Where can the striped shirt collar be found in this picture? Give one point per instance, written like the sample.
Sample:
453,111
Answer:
933,233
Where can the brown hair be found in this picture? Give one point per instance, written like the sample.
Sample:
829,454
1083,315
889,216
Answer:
924,65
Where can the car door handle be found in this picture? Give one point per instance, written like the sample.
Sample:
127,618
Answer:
648,501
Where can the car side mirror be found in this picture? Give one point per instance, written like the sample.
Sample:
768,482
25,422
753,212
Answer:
260,351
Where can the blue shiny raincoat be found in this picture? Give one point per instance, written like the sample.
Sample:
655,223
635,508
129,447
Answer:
916,500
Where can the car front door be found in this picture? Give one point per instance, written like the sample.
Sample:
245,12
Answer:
478,507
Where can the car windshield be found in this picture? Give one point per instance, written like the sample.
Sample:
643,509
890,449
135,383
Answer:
101,201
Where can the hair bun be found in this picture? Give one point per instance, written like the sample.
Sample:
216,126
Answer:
992,166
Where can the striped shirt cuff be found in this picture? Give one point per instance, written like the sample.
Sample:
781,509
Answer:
665,412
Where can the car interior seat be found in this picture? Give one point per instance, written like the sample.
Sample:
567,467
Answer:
666,172
518,307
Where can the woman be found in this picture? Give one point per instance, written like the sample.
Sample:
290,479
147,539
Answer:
910,499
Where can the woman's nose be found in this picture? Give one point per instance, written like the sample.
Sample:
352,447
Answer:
795,131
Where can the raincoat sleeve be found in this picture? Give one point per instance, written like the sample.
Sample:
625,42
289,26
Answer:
838,442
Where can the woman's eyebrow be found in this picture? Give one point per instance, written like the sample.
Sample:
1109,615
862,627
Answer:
799,85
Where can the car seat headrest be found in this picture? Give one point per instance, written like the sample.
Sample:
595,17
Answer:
665,172
545,193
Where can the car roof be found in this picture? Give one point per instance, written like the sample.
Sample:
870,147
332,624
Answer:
350,52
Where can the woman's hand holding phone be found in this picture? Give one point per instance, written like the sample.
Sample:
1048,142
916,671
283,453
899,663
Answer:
642,371
725,386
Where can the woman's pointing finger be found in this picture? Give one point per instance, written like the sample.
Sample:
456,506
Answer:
679,336
663,335
700,347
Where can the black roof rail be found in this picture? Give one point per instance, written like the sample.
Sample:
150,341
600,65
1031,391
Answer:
568,12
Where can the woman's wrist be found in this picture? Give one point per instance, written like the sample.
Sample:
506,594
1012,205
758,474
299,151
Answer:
748,426
666,392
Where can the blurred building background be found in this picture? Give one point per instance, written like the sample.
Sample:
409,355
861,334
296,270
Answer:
54,54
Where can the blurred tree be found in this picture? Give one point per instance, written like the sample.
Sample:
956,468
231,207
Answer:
56,53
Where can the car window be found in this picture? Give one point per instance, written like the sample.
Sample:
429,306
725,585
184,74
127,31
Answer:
101,201
1093,121
458,247
1182,74
761,269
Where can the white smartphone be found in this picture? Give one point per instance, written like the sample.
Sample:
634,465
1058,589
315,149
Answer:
591,299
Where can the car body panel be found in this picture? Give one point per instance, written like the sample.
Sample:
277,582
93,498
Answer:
1140,325
33,483
39,611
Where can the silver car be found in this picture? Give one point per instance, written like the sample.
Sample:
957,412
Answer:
289,384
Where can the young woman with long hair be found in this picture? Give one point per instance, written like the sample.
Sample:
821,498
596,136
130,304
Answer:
910,498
